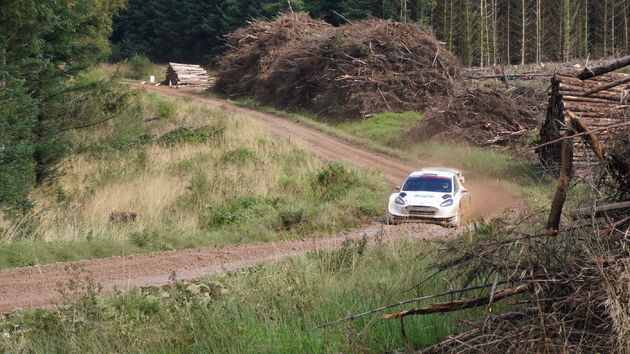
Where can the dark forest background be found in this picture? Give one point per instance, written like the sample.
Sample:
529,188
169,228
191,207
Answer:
481,32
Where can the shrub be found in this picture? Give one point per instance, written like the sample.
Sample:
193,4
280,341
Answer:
341,259
165,109
142,238
237,212
291,218
334,180
139,67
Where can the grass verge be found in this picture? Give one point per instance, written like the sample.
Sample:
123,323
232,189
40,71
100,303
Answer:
271,308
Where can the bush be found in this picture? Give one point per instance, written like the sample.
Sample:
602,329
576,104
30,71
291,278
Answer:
334,180
291,218
142,238
139,67
237,212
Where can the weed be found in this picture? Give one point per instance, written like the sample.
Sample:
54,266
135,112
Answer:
142,238
239,156
165,109
335,261
268,308
186,135
237,212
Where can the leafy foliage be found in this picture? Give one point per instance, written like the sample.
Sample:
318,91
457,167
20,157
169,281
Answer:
44,45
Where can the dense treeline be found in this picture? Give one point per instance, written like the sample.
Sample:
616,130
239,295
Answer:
481,32
44,47
489,32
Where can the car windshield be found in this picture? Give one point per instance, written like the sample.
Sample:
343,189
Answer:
428,184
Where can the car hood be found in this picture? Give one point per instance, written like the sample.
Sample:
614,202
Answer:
424,198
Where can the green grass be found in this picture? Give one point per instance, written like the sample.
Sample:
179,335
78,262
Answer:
384,129
195,177
271,308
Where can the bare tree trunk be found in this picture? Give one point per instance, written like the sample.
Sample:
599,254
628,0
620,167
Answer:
482,17
509,34
494,32
566,30
605,27
523,22
612,65
468,29
585,46
450,30
625,21
612,27
538,21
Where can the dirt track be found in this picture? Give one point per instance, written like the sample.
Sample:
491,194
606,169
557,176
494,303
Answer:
38,286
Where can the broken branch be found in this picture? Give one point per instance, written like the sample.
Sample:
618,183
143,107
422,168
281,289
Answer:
461,304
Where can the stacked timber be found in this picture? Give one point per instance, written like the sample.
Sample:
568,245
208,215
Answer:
577,106
186,75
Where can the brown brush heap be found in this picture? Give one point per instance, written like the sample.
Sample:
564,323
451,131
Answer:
480,117
365,68
352,71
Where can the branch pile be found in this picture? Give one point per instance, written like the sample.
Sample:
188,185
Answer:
481,118
359,69
365,68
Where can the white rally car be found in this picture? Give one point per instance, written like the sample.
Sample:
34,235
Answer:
431,195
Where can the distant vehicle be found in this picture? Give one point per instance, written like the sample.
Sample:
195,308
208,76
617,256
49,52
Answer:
433,195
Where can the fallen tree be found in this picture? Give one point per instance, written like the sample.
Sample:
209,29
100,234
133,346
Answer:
589,73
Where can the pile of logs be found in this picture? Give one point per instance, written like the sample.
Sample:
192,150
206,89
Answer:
596,108
186,75
586,117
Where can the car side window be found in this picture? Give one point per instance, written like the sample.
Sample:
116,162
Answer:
455,185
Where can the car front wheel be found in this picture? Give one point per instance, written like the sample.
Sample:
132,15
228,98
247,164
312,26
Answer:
392,220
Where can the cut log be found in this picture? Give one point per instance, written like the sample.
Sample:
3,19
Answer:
553,223
612,65
586,212
461,304
597,147
608,86
187,75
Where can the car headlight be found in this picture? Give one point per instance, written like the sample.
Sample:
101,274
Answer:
400,201
447,203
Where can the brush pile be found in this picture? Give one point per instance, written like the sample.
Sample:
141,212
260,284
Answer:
568,293
365,68
480,118
614,177
356,70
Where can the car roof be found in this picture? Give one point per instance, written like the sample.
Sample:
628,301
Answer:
438,172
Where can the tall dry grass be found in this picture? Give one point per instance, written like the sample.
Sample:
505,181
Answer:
155,181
